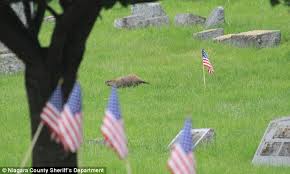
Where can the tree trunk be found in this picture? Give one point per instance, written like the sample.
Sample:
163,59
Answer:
62,60
46,66
46,152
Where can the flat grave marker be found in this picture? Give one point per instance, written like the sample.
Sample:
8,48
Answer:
274,149
198,136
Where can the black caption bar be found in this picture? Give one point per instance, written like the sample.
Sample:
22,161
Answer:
55,170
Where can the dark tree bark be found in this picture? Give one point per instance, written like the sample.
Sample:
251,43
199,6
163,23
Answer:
46,66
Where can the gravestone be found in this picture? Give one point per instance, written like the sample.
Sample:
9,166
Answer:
274,149
143,15
204,135
215,18
188,19
255,38
9,63
129,22
209,34
148,10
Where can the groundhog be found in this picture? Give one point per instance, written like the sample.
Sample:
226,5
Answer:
126,81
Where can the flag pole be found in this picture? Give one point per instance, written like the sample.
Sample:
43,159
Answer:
203,77
128,166
35,138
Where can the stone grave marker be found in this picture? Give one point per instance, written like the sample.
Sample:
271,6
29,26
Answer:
188,19
217,17
209,34
148,10
143,15
274,148
254,38
203,135
10,64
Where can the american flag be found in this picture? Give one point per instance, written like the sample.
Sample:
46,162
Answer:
206,62
70,122
51,112
181,160
113,127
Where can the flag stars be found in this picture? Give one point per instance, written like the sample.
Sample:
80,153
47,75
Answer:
56,98
186,138
113,105
74,100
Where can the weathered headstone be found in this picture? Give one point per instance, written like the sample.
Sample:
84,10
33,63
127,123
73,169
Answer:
204,135
188,19
148,10
143,15
9,64
157,21
255,38
209,34
133,21
274,148
217,17
8,61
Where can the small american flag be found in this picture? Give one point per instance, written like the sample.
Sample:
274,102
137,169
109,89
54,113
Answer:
113,127
70,122
51,112
182,160
206,62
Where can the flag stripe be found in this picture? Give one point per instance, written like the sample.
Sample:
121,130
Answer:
68,132
50,113
118,125
206,62
181,158
116,139
66,137
110,126
73,123
114,144
174,169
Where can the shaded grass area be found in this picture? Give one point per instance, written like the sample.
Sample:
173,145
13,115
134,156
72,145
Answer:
250,87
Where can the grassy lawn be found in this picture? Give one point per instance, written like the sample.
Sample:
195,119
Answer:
250,87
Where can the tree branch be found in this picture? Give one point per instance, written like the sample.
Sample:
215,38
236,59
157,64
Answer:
39,15
52,11
27,12
17,38
76,40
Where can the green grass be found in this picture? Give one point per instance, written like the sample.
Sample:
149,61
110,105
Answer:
250,87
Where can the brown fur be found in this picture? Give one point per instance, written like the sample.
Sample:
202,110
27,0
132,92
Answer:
126,81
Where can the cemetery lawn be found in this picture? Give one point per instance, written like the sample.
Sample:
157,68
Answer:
250,87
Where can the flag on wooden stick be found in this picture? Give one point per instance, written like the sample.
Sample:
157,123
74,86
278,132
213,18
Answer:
51,112
181,160
113,127
206,63
70,122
